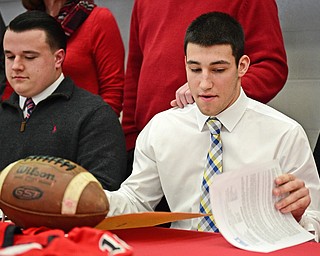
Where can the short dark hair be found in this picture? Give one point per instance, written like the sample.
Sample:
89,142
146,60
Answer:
215,28
31,20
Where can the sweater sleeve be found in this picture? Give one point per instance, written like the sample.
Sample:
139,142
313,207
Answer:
264,45
108,50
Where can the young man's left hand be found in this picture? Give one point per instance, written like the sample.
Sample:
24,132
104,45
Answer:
296,196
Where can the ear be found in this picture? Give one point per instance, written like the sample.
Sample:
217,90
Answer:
185,65
243,65
59,57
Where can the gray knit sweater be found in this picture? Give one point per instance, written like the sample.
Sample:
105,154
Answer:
72,124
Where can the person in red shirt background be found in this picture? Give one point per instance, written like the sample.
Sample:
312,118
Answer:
156,69
95,52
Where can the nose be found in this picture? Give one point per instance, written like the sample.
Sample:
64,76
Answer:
17,64
205,82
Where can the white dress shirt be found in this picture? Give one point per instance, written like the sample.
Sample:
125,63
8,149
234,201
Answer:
171,151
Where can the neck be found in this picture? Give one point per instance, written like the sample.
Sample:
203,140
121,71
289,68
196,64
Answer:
53,7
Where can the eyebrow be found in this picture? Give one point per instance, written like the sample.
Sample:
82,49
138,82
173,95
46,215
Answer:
25,52
211,63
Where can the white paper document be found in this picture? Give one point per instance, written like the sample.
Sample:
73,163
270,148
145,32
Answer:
244,211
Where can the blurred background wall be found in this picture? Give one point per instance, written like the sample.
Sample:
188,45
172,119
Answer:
300,22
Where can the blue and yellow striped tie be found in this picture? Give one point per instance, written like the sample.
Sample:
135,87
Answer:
213,166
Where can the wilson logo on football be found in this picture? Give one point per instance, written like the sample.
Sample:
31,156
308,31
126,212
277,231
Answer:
27,193
31,171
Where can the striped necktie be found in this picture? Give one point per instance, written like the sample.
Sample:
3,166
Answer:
30,107
213,166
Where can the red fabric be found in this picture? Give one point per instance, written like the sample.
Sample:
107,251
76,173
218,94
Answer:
95,58
166,241
44,241
7,91
156,69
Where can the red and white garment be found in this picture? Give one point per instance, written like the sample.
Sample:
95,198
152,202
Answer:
44,241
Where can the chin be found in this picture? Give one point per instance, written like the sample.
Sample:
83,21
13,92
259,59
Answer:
20,92
207,110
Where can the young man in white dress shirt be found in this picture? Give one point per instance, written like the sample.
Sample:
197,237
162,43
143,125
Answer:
171,151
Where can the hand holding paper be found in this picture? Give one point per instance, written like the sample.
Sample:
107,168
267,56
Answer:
244,210
296,195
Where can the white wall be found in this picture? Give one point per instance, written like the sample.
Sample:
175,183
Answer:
299,99
300,23
10,8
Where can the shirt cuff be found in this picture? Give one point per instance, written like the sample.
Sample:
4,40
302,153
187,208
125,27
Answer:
312,224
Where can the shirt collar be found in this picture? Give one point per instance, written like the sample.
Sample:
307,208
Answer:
230,116
42,95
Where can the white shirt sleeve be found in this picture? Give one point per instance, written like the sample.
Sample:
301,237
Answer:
142,191
311,222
